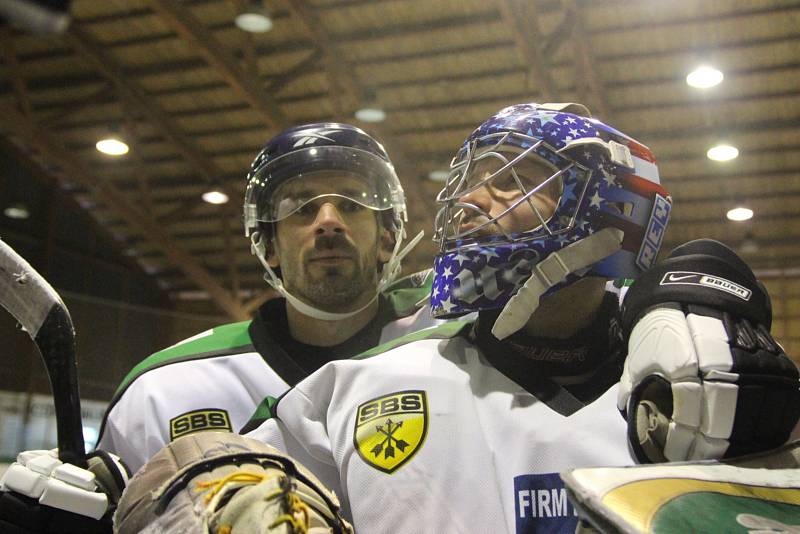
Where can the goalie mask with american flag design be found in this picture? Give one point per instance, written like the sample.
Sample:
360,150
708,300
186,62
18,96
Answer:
608,218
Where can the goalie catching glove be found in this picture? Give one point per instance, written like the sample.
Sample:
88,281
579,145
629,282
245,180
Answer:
222,483
704,378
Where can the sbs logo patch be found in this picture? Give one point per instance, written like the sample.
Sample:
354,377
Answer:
391,429
197,420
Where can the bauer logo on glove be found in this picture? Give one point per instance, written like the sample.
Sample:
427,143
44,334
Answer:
705,280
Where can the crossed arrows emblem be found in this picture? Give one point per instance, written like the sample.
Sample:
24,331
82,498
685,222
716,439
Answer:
390,442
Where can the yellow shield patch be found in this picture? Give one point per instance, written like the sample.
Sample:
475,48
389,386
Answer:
390,429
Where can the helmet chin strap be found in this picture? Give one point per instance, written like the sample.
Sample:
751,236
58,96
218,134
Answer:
549,272
390,271
393,266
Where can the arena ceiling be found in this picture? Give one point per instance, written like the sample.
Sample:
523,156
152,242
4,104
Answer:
195,98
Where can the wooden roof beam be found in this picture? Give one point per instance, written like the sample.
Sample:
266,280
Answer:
230,255
304,67
13,69
104,94
344,90
200,39
590,87
539,75
134,96
131,132
55,152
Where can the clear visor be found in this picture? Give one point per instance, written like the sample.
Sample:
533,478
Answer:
337,172
500,189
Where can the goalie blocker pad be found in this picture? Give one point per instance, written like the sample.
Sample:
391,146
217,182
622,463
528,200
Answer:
702,272
754,493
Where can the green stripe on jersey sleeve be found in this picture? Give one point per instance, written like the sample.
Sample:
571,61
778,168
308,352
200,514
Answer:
221,338
441,331
409,293
264,412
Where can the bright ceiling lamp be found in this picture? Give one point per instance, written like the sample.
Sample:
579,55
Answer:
704,77
253,18
740,214
438,175
371,114
370,111
112,146
215,196
17,211
722,152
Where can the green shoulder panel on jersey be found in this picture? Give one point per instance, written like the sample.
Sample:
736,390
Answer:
221,339
442,331
407,294
264,412
267,409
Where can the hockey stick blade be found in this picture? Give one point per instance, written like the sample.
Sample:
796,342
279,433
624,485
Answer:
43,315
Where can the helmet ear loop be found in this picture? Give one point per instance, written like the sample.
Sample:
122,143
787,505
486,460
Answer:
392,267
259,249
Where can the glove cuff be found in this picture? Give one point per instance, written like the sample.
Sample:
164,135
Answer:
702,279
111,473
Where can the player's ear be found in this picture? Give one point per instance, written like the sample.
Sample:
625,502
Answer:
385,245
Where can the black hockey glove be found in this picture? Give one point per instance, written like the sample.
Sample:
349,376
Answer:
703,377
41,495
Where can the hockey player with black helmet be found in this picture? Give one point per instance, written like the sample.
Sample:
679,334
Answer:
323,207
325,214
465,427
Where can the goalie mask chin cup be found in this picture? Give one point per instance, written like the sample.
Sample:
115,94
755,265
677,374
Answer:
604,179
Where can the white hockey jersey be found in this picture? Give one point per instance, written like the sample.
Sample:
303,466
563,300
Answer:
215,380
429,436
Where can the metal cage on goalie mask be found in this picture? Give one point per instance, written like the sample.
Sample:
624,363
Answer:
333,150
603,179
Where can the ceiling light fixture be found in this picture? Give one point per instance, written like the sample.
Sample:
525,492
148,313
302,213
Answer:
215,196
253,18
371,111
438,175
722,152
704,77
112,146
740,214
370,114
17,211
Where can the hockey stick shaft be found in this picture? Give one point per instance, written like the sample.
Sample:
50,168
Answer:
42,313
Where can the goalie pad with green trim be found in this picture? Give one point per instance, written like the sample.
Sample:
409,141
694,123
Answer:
758,493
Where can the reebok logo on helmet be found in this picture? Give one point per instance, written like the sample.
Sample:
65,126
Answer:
311,138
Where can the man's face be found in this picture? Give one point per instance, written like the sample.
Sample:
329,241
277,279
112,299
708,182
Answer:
328,250
507,188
